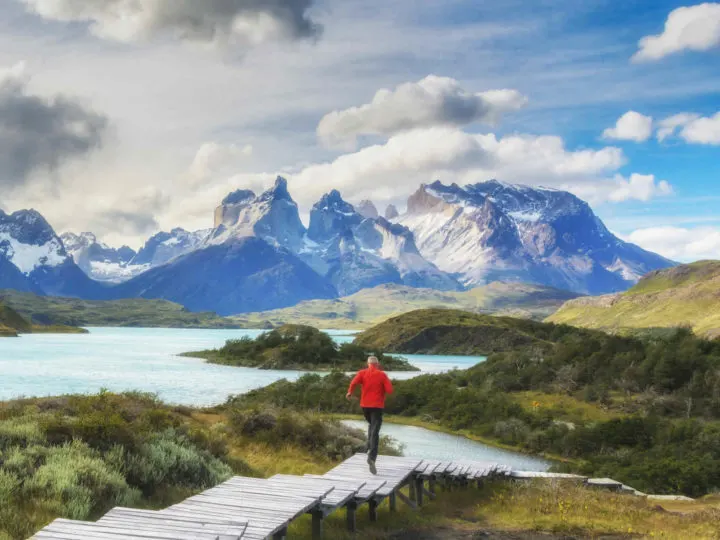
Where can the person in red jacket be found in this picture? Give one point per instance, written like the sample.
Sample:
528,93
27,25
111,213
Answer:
375,386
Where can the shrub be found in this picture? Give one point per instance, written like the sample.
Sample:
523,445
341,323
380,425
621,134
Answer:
170,459
76,483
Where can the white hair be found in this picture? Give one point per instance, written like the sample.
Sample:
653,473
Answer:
372,360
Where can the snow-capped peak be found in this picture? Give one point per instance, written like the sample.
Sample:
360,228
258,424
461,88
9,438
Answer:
29,242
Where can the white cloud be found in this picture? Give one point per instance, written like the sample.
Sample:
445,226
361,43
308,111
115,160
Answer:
432,101
640,187
669,126
242,23
703,130
678,243
631,126
213,158
693,128
695,28
390,172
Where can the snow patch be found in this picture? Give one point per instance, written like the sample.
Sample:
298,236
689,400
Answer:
28,257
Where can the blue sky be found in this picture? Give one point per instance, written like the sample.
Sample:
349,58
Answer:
205,98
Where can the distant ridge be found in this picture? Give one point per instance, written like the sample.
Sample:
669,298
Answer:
371,306
685,296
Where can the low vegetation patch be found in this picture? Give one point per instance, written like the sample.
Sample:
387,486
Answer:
134,312
297,347
13,323
79,456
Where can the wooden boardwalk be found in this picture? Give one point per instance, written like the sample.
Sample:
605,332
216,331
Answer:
256,508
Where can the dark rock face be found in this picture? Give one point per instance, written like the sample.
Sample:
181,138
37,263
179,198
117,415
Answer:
240,275
493,231
331,217
272,216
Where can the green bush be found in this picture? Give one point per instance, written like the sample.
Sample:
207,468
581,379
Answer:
171,459
76,482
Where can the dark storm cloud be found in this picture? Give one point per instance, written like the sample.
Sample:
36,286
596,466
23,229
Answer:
242,23
41,134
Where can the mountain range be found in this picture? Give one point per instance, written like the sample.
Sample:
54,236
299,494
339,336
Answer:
260,256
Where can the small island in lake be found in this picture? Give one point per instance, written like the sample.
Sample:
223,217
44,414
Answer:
297,347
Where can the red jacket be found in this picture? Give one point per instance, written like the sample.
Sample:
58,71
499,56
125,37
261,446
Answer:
375,385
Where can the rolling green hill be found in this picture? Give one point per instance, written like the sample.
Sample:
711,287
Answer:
136,312
371,306
446,331
11,322
683,296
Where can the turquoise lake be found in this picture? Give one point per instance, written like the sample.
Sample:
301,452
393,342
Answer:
146,359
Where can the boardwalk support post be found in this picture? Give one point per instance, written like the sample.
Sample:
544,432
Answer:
431,484
280,535
372,509
406,500
411,490
317,524
351,509
392,502
419,489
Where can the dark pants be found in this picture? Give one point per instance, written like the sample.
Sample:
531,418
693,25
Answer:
374,419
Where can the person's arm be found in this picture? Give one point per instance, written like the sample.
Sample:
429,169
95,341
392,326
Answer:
387,385
358,379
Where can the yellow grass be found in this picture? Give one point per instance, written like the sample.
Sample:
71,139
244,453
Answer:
539,507
565,408
566,508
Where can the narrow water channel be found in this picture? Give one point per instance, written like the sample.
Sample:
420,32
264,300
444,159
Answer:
424,443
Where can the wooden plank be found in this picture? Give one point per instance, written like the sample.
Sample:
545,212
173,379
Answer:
86,530
171,525
312,491
120,511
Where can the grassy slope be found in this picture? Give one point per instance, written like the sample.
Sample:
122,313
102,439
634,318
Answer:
371,306
687,295
445,331
12,324
136,312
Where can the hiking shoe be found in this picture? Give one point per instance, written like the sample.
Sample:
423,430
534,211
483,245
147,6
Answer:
371,465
